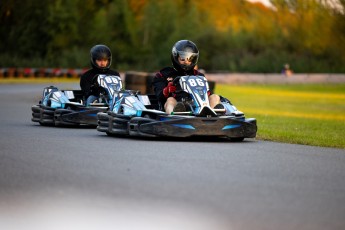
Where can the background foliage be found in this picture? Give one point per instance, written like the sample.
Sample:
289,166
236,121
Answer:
233,36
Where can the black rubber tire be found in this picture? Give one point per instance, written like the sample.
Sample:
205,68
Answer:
36,113
47,117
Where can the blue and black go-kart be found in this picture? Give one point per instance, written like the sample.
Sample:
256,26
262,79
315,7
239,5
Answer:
67,107
138,115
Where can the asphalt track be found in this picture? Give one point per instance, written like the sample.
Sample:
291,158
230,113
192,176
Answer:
70,178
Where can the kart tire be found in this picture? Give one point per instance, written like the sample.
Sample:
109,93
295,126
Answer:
47,117
113,124
36,113
118,126
36,109
103,122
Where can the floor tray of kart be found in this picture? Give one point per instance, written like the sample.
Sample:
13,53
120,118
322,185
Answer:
133,115
67,107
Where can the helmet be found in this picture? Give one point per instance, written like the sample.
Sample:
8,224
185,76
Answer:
99,52
186,50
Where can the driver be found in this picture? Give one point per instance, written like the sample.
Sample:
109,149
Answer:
100,63
184,57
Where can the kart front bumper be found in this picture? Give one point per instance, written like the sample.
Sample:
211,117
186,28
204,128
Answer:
195,126
81,117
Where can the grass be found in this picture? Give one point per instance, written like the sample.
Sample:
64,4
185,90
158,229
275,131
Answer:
300,114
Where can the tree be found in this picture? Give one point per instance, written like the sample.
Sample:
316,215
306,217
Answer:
23,28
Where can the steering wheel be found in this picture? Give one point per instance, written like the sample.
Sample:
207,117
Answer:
176,80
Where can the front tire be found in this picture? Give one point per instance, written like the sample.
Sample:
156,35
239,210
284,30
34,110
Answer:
47,116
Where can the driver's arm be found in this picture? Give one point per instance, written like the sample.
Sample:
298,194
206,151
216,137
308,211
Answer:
159,83
86,83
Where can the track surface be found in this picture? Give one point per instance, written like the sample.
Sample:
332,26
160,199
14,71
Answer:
68,178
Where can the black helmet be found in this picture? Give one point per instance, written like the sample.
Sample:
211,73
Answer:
99,52
186,50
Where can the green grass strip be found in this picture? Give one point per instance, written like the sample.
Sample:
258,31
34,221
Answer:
300,114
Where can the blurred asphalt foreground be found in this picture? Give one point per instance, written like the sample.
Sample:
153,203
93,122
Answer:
74,211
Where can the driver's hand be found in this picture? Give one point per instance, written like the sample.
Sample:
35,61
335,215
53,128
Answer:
169,89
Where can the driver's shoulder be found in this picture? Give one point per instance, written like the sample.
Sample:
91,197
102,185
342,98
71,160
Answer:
113,72
168,72
87,76
196,72
87,72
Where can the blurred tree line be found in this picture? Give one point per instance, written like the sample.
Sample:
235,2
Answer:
232,36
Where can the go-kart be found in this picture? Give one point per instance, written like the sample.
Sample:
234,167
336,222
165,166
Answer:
68,108
141,115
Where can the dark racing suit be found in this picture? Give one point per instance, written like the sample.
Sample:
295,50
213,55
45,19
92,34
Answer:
160,82
86,81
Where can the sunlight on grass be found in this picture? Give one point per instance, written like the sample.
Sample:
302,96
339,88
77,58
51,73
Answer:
301,114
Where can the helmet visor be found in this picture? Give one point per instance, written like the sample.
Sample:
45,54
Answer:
188,56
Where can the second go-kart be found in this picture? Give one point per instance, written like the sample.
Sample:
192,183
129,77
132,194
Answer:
139,115
67,107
